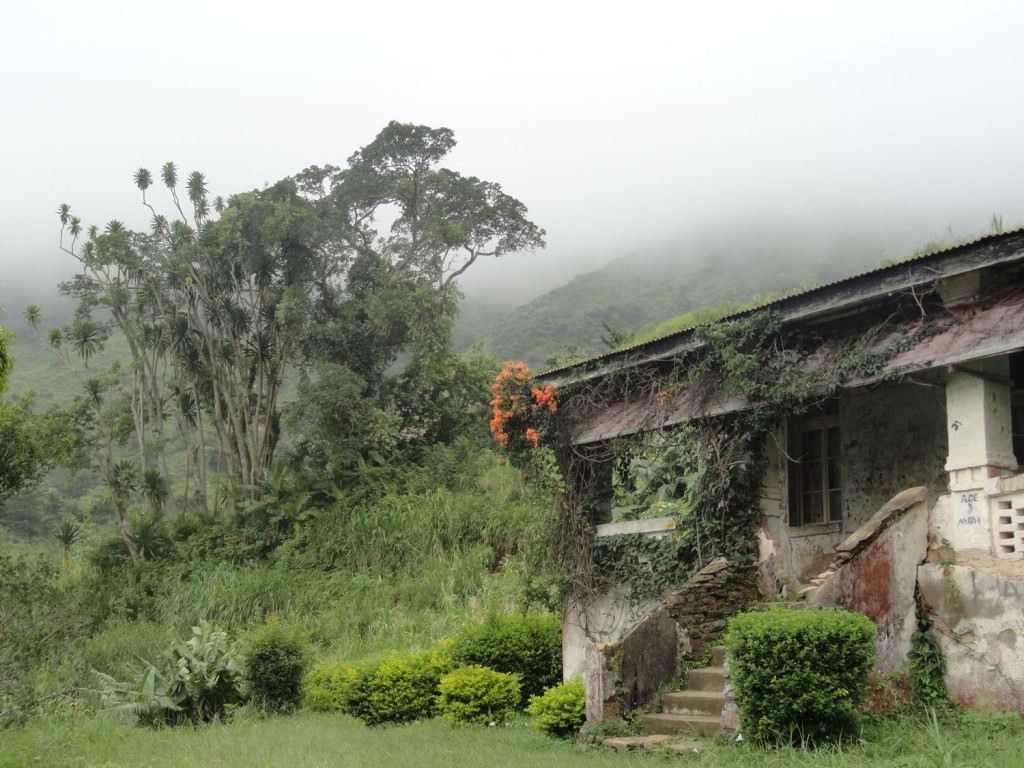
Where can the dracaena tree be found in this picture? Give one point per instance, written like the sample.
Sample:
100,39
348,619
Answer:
210,308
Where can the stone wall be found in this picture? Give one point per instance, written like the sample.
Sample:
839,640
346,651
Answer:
704,604
625,676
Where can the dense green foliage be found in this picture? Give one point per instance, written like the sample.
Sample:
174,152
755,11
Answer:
42,616
560,710
273,664
799,675
195,680
478,695
528,645
400,689
223,303
333,686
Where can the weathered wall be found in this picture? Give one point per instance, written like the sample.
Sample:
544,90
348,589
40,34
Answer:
623,677
603,619
893,437
879,574
979,619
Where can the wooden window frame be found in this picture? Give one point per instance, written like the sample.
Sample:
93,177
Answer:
803,477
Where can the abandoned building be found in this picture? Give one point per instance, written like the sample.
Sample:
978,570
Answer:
896,492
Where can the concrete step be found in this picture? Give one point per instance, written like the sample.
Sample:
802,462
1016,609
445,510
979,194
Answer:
680,725
655,741
718,656
693,703
706,679
629,743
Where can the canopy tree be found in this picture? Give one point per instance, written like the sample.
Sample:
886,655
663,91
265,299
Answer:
404,229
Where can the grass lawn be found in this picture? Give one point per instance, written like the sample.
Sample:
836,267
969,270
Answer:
333,740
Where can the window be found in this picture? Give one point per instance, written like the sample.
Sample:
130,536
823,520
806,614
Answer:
815,480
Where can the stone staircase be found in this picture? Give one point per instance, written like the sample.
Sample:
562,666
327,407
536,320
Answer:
695,711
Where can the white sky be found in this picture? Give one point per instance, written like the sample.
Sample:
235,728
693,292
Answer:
617,124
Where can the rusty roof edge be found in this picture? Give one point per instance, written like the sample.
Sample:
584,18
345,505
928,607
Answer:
591,433
814,302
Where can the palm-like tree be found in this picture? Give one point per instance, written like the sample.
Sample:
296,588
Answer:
68,533
154,490
33,314
149,536
143,180
86,338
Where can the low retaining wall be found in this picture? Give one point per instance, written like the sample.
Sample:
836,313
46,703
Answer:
979,620
624,677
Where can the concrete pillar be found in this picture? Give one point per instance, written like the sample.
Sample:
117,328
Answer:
980,452
978,424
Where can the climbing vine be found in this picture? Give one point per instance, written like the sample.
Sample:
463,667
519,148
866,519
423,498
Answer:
730,391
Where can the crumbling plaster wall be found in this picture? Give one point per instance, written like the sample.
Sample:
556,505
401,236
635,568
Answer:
979,618
893,437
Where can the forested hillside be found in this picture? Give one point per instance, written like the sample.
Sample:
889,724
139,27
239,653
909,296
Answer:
646,287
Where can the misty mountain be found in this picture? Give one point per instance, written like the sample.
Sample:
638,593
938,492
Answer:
644,288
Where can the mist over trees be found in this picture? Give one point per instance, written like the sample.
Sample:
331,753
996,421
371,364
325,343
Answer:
330,276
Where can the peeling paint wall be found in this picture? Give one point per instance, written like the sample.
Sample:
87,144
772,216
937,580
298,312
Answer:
893,437
880,577
979,619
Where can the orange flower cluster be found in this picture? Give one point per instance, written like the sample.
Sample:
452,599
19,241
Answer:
545,398
512,407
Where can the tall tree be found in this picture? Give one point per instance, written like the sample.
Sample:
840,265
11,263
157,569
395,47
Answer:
220,299
393,294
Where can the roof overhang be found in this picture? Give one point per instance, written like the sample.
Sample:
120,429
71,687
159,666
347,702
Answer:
963,337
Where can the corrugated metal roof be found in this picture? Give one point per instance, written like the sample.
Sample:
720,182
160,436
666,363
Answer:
879,272
978,334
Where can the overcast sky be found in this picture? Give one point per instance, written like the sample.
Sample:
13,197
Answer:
617,124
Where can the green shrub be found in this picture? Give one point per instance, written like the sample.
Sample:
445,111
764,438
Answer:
197,680
336,687
561,710
527,645
478,695
274,663
799,675
402,688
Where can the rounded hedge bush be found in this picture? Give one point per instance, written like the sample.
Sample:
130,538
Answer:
561,710
799,674
527,645
478,695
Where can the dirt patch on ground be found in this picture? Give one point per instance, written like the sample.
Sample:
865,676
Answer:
982,560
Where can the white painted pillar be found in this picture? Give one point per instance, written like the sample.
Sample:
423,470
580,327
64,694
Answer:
980,452
978,424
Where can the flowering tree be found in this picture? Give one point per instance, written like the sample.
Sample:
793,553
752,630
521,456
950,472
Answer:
520,412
